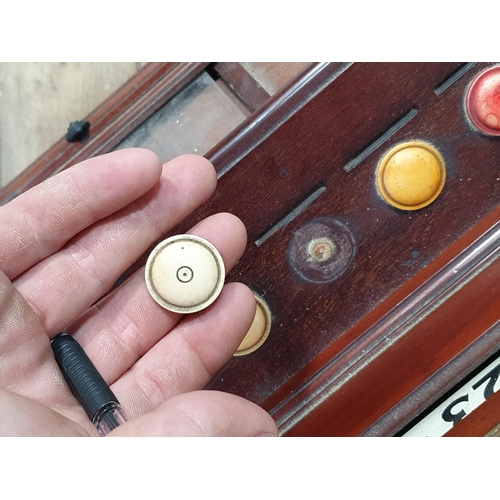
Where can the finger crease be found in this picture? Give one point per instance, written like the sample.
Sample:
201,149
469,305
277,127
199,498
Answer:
89,270
196,353
129,338
149,385
147,217
202,433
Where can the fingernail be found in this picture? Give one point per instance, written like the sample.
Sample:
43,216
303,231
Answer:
265,434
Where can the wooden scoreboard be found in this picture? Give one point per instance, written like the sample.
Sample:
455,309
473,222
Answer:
371,197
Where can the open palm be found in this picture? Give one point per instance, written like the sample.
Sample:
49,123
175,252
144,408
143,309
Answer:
62,246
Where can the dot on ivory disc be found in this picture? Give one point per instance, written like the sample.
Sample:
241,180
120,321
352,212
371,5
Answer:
185,273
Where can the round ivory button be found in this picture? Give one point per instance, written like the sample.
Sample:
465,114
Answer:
185,273
411,175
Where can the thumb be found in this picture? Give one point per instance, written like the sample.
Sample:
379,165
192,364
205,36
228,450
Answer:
202,413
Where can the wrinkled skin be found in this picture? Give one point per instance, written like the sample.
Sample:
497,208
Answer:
63,244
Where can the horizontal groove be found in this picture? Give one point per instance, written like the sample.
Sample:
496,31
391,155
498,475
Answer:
292,215
380,140
454,77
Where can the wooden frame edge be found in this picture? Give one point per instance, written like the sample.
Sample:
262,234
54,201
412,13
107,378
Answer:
110,122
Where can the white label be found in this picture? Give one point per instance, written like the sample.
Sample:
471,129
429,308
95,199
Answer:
456,407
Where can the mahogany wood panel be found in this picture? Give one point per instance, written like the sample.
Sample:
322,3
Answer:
438,338
264,121
310,150
123,111
482,343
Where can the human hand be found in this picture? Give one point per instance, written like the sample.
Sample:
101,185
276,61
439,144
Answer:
63,245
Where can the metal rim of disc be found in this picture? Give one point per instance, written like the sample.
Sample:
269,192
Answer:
174,307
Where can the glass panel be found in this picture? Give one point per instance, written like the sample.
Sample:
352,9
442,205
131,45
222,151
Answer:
194,121
39,100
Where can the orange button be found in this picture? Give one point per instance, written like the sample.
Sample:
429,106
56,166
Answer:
411,175
483,101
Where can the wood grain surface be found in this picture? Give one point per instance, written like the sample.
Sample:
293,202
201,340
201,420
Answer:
39,100
141,96
393,247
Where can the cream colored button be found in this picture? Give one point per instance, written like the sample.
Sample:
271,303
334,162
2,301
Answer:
259,330
185,273
411,175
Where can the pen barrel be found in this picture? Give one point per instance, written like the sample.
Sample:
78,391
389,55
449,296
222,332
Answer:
109,417
85,382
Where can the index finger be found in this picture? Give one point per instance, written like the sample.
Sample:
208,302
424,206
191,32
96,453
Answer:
39,222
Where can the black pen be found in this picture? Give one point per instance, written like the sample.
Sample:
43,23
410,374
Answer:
87,384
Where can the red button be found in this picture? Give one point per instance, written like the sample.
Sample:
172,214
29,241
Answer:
483,101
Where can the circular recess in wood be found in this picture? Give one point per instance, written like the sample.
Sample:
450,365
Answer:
185,273
483,101
411,175
321,250
259,330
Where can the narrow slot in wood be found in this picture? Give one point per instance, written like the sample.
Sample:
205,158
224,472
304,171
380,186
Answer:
292,215
380,140
454,77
